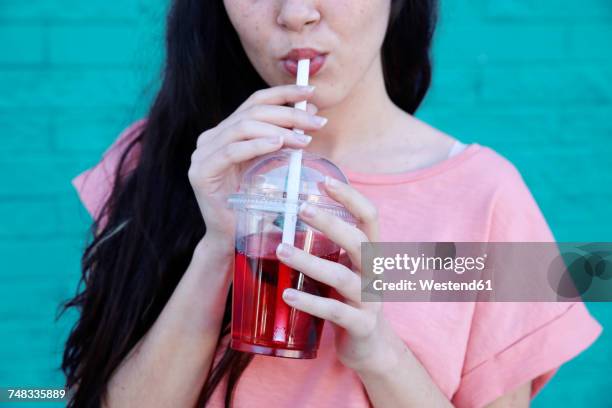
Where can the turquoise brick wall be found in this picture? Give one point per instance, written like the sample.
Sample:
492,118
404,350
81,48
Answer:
531,78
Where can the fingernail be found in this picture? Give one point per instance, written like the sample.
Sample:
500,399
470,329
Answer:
289,295
319,120
283,250
307,210
308,88
303,138
275,140
331,182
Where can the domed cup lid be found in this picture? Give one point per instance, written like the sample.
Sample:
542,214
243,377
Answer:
264,184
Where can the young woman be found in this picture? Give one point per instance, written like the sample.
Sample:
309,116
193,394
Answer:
154,316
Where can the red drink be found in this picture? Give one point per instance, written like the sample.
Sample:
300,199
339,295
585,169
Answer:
261,321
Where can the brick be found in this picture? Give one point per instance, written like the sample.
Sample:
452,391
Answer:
26,218
32,374
484,43
507,8
74,220
87,130
453,12
457,87
58,254
590,126
154,12
590,41
568,389
37,334
538,85
24,131
545,10
570,129
38,176
22,44
70,88
44,301
96,45
502,128
99,10
584,177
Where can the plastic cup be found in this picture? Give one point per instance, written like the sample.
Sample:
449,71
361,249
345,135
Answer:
262,322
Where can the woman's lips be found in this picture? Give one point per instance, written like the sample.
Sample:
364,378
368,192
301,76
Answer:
316,64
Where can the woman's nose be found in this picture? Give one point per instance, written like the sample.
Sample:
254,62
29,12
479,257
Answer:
295,14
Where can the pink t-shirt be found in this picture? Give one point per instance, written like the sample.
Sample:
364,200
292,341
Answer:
474,352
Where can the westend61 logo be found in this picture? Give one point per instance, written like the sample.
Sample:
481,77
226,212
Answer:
486,271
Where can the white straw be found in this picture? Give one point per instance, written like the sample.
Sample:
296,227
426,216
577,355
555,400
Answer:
281,317
295,166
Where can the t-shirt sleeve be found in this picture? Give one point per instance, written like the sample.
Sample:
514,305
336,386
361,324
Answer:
512,343
95,184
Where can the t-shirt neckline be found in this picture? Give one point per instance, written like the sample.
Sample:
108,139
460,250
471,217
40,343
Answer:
391,178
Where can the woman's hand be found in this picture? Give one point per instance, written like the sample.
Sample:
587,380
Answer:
365,341
362,335
260,125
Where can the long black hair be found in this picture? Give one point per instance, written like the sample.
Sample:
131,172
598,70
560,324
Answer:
152,223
